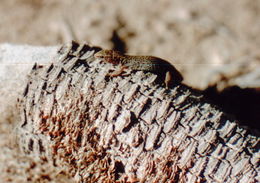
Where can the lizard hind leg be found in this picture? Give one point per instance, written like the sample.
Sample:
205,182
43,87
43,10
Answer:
168,79
172,78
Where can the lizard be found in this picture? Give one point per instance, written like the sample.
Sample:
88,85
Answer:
140,63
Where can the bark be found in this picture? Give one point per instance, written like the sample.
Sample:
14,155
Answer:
129,128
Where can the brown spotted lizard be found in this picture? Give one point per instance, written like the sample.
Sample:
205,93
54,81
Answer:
140,63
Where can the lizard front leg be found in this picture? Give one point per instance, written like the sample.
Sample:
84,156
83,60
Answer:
117,72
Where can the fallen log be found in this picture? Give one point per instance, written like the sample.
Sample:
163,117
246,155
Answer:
130,128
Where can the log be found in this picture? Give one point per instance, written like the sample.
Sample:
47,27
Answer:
129,128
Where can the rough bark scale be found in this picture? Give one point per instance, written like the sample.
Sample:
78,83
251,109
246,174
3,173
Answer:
129,129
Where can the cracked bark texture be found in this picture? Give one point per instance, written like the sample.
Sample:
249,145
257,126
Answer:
130,128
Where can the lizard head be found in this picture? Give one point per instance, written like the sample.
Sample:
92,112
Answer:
110,56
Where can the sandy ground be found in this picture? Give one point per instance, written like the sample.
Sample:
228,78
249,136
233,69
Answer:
196,37
209,41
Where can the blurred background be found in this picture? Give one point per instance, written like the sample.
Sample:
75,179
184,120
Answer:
215,44
199,38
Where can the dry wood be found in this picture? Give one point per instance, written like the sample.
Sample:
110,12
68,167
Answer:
130,128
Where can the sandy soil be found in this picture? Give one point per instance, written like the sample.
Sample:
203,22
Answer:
197,37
